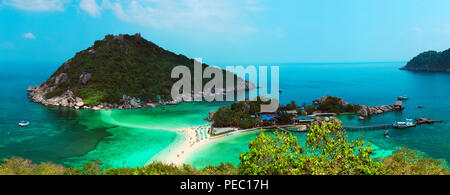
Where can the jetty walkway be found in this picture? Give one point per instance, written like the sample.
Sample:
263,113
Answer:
371,127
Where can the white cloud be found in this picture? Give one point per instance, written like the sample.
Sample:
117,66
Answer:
29,36
36,5
212,15
91,7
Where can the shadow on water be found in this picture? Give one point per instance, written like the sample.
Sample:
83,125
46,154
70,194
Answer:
54,135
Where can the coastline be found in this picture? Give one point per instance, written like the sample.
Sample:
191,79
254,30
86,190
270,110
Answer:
185,147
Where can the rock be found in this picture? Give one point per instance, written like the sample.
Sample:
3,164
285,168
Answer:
31,88
211,115
61,78
361,118
66,65
96,108
128,102
398,106
302,128
79,102
367,111
84,78
151,105
92,52
363,111
326,119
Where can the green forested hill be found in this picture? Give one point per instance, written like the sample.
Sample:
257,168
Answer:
430,61
117,65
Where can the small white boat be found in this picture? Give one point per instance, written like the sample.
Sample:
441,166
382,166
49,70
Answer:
24,123
403,97
403,125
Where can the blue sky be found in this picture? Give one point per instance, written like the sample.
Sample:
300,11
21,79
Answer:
230,32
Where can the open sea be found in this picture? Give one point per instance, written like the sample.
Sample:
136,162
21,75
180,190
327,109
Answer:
129,138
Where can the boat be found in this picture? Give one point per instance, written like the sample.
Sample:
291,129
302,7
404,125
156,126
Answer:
403,97
24,123
404,124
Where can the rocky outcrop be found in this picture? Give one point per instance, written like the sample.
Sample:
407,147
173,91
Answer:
332,119
425,120
324,98
210,116
61,78
66,99
84,78
128,102
92,52
367,111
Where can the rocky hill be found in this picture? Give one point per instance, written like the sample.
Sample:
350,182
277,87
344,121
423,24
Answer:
123,71
430,61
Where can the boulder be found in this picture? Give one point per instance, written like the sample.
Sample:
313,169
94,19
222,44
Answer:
211,115
79,102
61,78
66,65
31,88
84,78
128,102
92,52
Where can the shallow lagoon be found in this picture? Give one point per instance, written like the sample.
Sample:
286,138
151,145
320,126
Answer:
128,138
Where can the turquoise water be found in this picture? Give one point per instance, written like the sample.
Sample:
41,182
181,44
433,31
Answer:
362,83
128,138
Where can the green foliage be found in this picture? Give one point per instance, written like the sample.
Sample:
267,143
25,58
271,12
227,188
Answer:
430,61
310,109
269,155
132,66
326,152
409,162
55,92
91,97
238,114
284,119
248,123
20,166
335,105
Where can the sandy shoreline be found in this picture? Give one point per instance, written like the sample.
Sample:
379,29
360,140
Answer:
185,146
178,152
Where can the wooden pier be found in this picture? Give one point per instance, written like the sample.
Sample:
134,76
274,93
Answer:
371,127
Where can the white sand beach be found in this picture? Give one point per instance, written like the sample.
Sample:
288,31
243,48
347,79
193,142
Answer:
186,145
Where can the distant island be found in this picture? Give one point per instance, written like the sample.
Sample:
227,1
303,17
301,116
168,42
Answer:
118,72
430,61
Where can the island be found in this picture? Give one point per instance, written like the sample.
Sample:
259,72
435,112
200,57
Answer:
430,61
118,72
